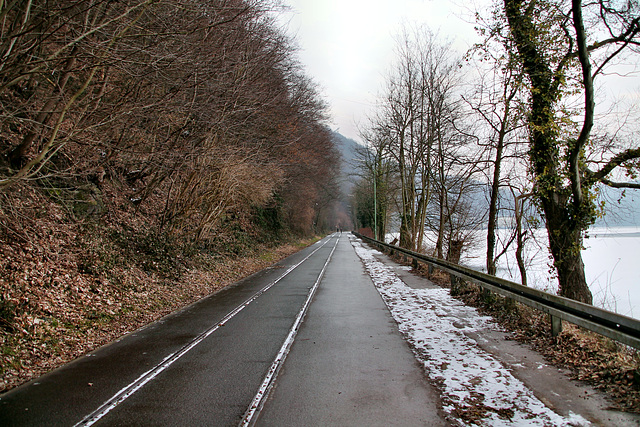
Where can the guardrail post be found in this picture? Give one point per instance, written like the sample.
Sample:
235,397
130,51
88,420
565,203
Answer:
455,284
556,325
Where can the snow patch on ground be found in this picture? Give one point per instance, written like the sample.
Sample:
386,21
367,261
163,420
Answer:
475,386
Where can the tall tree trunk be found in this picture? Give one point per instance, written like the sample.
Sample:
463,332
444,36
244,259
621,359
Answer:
381,208
495,183
520,238
493,211
564,225
565,242
405,235
441,224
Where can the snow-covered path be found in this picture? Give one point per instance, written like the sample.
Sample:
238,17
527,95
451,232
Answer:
475,386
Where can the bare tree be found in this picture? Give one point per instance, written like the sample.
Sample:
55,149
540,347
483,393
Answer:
498,104
415,122
379,171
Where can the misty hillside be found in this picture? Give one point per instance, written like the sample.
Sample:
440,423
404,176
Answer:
621,207
348,151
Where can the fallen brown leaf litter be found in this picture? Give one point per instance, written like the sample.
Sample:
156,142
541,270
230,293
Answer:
67,287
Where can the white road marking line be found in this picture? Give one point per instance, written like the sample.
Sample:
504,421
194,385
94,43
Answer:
267,384
143,379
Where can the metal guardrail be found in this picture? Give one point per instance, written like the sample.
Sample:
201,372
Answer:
612,325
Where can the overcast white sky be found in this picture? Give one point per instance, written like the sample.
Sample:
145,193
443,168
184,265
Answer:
347,45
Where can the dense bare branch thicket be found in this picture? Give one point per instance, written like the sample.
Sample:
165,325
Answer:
197,111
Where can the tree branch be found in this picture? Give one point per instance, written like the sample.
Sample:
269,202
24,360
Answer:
617,160
589,103
613,184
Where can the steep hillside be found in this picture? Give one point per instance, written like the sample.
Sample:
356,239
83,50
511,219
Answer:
150,153
69,285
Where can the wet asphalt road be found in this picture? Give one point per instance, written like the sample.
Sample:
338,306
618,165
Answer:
349,365
204,365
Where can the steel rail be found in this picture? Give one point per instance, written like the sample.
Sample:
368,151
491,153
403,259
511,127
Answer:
618,327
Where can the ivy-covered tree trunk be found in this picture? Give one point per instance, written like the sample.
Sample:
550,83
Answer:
565,243
565,221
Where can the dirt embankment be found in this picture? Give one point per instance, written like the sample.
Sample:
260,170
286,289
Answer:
69,285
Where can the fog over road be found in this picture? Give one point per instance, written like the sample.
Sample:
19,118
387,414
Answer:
309,341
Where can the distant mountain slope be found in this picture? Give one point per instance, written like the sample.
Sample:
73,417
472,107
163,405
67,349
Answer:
348,150
622,207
